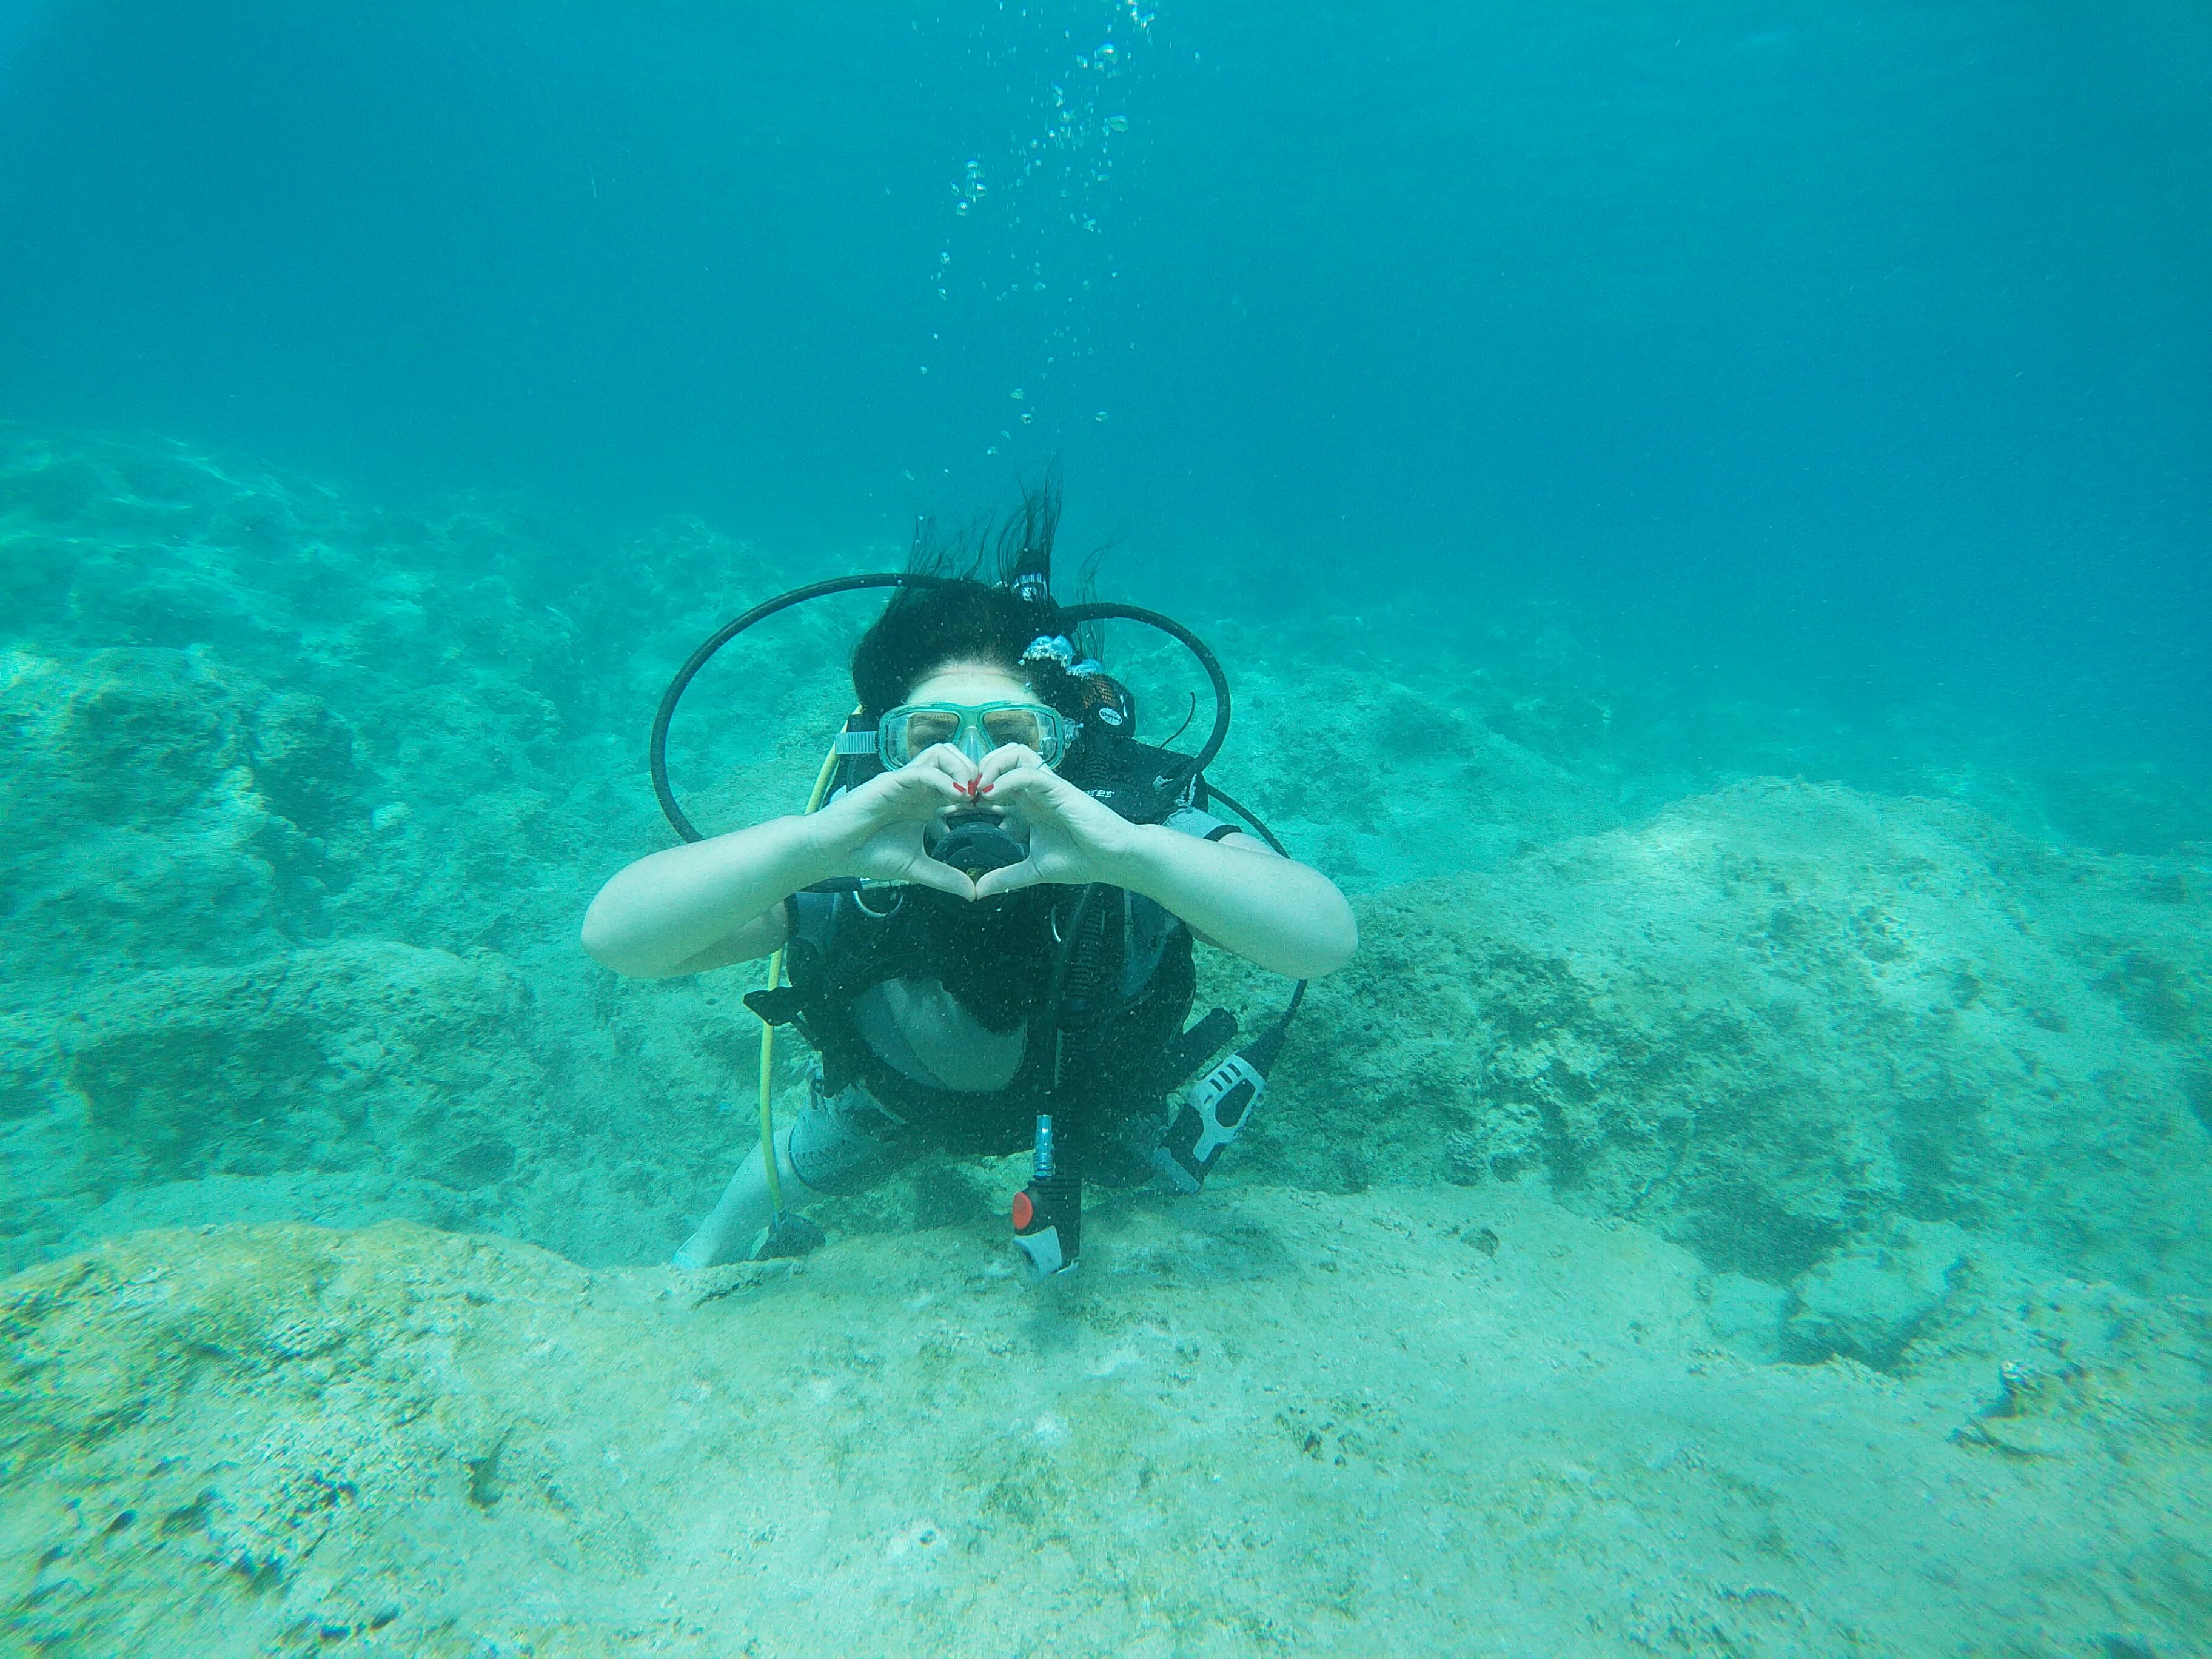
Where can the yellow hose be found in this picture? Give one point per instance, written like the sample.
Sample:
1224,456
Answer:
768,1031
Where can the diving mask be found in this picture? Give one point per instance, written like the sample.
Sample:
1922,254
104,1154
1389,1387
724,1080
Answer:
975,729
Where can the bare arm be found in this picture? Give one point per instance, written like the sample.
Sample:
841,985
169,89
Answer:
1241,894
1235,893
705,903
711,903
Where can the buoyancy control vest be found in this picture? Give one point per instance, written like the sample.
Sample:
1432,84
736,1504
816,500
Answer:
1116,1037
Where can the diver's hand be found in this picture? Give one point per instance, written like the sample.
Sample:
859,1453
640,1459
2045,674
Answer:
1074,839
875,831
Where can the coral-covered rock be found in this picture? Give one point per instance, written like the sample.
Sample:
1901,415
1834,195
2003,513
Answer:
243,717
375,1055
1777,1018
303,761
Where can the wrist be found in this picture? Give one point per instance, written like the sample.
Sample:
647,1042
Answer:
826,840
1131,857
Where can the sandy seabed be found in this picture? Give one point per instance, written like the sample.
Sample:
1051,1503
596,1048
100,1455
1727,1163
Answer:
1451,1422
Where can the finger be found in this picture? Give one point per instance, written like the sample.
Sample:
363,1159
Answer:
1005,759
943,757
1030,782
1031,789
955,765
931,780
930,788
1012,879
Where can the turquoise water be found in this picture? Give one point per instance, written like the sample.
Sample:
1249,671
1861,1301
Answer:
1704,510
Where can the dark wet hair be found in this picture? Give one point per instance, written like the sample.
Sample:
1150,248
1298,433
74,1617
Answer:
976,615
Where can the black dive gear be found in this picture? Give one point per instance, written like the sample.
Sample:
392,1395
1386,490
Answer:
1110,714
1049,1212
788,1234
1106,1036
975,839
1222,1103
1000,963
1219,1105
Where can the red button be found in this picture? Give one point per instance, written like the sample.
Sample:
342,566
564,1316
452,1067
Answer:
1025,1212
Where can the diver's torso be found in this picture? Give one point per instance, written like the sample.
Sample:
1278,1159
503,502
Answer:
920,1030
931,1005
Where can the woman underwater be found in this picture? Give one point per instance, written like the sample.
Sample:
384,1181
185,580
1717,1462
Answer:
926,996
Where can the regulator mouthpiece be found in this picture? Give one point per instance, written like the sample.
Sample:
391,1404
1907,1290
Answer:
975,840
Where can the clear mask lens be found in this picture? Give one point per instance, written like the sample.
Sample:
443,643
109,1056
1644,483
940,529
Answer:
1021,725
976,731
927,726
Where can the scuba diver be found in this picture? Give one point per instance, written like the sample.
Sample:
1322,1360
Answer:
989,920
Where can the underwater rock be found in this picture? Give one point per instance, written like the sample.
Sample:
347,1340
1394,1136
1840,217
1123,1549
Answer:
1295,1421
310,1072
125,737
1872,1299
1771,1014
303,799
349,1056
1746,1315
303,761
160,808
242,716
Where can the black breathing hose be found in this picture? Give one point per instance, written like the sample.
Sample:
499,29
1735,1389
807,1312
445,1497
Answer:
1069,617
656,753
